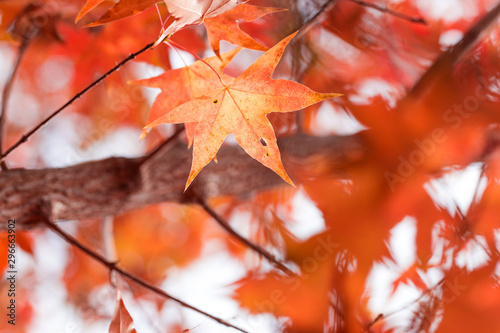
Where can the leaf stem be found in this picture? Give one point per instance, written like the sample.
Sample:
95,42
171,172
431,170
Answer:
25,137
174,44
163,22
112,266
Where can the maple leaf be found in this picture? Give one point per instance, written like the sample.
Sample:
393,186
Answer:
89,5
240,108
225,26
122,321
187,12
123,9
181,85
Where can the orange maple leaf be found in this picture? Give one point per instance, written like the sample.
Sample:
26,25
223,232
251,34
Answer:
181,85
121,10
225,26
89,5
240,108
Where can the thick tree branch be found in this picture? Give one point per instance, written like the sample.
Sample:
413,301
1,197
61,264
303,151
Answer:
115,185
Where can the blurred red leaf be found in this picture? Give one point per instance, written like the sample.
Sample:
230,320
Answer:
122,9
225,27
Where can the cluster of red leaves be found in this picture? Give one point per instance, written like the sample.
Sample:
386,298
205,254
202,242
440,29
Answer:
384,184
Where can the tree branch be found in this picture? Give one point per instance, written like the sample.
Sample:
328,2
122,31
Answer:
112,266
115,185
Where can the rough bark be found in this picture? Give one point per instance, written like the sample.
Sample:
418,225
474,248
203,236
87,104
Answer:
115,185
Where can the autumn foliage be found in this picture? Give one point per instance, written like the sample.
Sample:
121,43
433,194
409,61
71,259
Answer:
385,218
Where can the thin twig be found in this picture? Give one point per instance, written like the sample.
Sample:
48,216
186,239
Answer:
382,316
6,94
179,46
112,266
242,239
413,19
26,136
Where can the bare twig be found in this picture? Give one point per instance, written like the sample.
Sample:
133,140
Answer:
413,19
6,94
242,239
26,136
115,185
112,266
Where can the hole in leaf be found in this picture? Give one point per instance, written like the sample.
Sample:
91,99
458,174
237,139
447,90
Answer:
263,142
215,101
